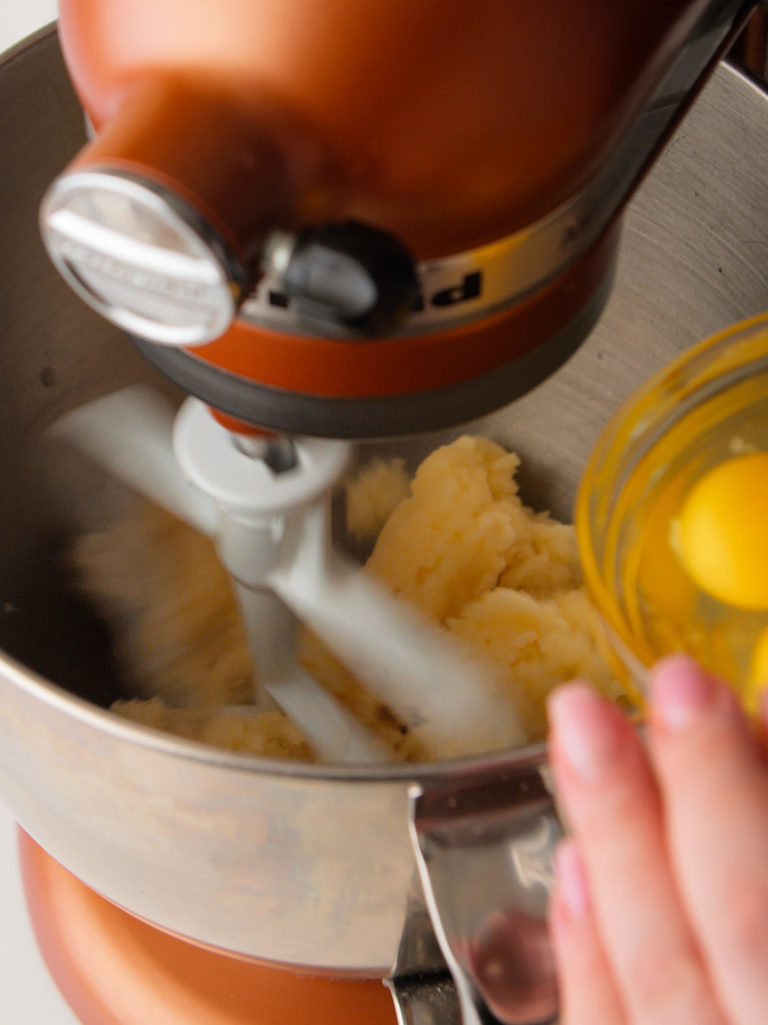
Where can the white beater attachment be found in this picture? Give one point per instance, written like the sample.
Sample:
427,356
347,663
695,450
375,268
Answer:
271,524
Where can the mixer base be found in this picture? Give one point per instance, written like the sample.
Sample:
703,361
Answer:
116,970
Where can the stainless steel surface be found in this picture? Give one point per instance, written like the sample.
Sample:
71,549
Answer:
426,1000
484,847
421,985
308,866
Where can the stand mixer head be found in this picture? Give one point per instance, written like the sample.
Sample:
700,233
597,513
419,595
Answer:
368,221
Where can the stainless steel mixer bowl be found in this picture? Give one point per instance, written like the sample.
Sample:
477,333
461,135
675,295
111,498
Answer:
312,867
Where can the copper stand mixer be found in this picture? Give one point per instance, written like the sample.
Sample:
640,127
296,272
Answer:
363,222
493,287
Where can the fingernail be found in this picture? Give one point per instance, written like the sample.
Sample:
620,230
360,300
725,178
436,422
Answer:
680,691
585,732
571,879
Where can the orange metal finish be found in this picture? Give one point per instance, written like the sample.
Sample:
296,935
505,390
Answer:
447,125
237,426
116,970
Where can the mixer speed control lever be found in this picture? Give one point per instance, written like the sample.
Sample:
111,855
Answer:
347,276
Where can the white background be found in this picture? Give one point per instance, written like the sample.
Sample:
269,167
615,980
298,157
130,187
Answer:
19,18
27,994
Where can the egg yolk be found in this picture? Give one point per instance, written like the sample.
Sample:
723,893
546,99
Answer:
722,532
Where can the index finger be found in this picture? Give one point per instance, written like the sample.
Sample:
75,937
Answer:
605,784
714,787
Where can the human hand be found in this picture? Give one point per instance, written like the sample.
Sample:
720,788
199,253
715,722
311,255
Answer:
659,915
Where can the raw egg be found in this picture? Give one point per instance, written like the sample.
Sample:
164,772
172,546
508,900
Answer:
722,532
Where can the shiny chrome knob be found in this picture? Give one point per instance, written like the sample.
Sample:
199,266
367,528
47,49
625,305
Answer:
350,278
142,257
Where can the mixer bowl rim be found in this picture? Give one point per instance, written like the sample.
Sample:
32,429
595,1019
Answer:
20,48
92,716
